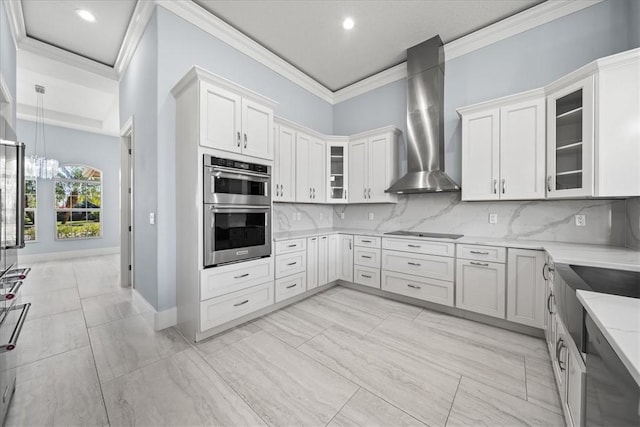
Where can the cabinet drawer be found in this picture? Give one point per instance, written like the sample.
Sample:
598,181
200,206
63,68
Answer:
482,253
216,311
419,246
435,267
218,281
289,264
288,246
438,291
366,276
366,257
368,241
290,286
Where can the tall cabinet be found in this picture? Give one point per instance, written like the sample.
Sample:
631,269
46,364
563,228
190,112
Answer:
284,171
310,168
373,165
503,148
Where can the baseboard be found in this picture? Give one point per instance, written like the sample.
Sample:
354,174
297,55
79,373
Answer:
53,256
157,320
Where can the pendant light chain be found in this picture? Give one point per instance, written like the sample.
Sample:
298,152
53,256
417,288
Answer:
40,166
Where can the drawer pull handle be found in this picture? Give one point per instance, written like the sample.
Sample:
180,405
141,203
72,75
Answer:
365,256
549,298
241,303
414,246
414,286
481,264
293,246
293,263
241,276
366,241
415,264
366,276
479,253
292,286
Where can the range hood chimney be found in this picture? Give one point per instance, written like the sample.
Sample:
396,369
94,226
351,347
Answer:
425,122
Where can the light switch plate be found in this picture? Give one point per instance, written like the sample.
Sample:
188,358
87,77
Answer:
341,215
493,218
581,220
299,216
152,218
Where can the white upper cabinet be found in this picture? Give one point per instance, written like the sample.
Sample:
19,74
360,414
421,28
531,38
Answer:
570,140
310,169
337,175
231,122
593,129
284,170
373,166
503,148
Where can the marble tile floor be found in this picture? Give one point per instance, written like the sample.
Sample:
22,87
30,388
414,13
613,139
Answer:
89,356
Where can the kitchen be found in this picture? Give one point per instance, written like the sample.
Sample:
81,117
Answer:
329,157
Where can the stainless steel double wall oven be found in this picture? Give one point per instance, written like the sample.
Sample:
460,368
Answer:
237,210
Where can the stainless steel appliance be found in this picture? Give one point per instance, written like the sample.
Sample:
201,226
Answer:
612,394
237,211
12,314
424,234
569,278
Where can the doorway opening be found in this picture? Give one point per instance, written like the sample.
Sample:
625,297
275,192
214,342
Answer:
127,205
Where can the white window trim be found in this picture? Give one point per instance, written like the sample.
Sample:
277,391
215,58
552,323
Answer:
56,209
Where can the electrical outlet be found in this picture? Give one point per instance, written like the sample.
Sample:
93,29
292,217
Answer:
293,216
370,216
341,215
581,220
321,216
493,218
299,216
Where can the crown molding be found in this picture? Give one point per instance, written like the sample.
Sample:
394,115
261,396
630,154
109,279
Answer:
198,16
139,20
516,24
385,77
64,120
16,20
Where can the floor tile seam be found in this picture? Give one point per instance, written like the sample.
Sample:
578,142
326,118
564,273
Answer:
24,365
240,395
139,367
316,335
115,320
417,315
27,321
393,404
346,305
95,366
343,405
560,412
455,395
376,326
28,294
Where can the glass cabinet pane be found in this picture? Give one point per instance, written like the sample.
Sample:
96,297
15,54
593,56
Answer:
336,178
568,139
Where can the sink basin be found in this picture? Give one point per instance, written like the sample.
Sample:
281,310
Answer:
606,280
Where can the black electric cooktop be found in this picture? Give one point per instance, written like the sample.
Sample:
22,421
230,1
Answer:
425,234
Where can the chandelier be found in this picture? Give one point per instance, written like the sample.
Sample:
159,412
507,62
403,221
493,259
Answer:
36,165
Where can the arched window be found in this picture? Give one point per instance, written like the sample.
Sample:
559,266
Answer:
78,198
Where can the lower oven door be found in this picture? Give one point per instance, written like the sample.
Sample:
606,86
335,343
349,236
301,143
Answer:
235,233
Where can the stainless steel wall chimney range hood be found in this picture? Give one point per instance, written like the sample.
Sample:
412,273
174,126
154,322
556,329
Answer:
425,122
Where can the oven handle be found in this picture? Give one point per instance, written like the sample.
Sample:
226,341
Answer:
230,172
239,207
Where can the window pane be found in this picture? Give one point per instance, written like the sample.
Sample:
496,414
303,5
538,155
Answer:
76,224
79,172
29,225
90,196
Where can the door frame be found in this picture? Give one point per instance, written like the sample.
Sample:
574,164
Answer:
127,216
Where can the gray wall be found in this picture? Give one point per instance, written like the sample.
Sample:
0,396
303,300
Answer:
8,58
633,223
138,98
71,146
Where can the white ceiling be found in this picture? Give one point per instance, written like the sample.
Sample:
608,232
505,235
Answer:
309,34
55,22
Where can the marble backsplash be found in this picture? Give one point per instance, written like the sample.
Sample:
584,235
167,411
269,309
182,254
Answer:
633,223
608,221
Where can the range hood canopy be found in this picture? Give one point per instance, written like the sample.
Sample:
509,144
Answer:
425,122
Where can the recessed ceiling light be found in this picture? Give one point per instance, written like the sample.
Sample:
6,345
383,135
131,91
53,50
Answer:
348,24
86,15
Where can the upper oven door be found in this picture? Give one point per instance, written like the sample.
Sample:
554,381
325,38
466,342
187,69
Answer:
232,187
233,233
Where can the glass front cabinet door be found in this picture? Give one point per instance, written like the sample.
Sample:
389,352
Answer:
570,118
337,156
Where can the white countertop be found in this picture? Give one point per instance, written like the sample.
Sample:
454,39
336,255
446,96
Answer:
618,318
564,253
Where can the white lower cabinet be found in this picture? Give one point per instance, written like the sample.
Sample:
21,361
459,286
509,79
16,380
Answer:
290,286
438,291
332,258
289,264
318,257
432,266
367,276
526,287
234,277
480,287
367,257
219,310
345,257
312,262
